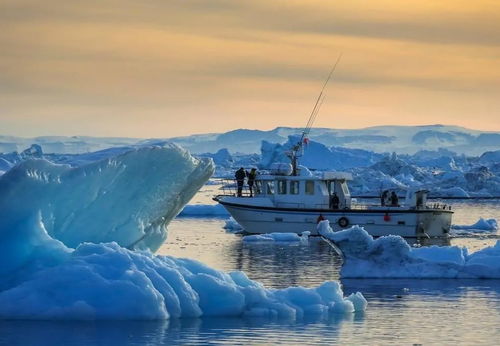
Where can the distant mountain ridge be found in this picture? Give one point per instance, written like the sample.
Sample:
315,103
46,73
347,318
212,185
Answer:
401,139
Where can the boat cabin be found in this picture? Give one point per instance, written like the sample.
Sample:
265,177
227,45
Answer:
285,191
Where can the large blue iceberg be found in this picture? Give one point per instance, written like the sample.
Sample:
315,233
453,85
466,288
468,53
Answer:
127,198
68,234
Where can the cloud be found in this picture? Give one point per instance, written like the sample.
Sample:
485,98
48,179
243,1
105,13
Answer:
219,62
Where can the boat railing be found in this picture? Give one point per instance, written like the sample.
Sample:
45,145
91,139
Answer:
359,206
433,206
229,187
441,206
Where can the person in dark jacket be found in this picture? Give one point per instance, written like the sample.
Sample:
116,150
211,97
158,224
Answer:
394,199
240,180
335,201
251,179
383,198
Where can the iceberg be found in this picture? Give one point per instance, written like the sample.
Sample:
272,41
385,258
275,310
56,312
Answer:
128,198
392,257
317,156
62,229
481,226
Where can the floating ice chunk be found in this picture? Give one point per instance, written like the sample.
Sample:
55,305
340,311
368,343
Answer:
277,237
358,301
203,210
232,225
481,226
106,281
392,257
127,198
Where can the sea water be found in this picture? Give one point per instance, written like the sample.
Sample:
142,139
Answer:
399,311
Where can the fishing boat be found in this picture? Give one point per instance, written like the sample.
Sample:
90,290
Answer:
289,198
282,202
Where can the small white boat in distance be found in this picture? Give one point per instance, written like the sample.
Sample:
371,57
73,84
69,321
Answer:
284,202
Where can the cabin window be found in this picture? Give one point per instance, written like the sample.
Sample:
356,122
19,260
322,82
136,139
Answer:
309,187
294,187
258,187
331,187
270,187
282,187
345,189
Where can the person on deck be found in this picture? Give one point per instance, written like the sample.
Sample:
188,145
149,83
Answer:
251,179
335,201
240,180
394,199
383,198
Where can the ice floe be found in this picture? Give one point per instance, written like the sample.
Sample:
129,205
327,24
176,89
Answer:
41,278
481,226
277,237
232,225
392,257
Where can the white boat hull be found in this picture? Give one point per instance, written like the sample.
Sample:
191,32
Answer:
409,223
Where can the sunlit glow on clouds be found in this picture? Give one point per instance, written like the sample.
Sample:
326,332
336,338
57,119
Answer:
158,68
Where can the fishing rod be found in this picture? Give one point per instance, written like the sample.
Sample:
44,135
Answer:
319,102
293,154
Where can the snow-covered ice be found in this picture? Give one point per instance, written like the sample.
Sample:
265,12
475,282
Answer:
438,163
105,281
127,198
277,237
232,225
392,257
481,226
317,156
41,278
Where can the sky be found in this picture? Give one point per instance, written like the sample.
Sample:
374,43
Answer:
162,68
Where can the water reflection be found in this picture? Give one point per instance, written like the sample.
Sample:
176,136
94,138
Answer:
178,331
423,241
400,288
280,265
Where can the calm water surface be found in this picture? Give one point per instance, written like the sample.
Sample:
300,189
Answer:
400,312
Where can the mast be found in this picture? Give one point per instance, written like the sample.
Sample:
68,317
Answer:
293,154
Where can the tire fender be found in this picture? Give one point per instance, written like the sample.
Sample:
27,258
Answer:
343,222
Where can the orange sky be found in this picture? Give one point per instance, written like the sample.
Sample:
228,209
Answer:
159,68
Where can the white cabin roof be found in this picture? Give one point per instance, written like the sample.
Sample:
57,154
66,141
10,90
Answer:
325,176
337,176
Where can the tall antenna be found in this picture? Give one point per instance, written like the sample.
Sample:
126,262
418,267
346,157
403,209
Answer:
294,153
